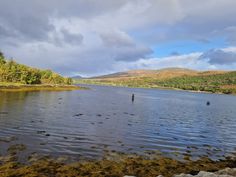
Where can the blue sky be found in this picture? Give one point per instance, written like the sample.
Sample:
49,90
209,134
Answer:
187,46
92,37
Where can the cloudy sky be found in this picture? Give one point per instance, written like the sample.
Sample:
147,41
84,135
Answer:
93,37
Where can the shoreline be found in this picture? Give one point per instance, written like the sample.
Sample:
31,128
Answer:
14,87
122,166
159,88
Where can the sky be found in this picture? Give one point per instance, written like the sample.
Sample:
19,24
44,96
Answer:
95,37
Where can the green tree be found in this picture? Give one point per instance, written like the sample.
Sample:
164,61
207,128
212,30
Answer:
10,71
2,58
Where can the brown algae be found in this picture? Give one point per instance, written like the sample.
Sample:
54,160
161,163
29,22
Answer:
126,165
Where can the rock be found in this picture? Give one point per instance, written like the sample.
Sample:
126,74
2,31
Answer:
77,115
41,132
228,172
206,174
3,113
183,175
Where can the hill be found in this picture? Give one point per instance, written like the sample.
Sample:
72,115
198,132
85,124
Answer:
160,74
77,77
174,78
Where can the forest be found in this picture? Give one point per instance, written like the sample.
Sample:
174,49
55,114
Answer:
13,72
217,83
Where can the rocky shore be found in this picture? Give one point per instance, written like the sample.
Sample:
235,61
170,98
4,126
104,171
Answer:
227,172
126,166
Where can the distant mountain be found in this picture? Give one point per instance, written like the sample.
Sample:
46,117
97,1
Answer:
177,78
165,73
76,77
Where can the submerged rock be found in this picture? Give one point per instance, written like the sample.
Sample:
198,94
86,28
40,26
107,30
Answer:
3,113
8,139
41,131
77,115
14,149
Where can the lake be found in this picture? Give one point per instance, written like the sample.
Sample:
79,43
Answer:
90,123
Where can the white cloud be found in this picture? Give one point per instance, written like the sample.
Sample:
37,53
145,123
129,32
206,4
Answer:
183,61
194,61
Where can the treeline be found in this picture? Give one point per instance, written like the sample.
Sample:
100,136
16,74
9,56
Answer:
10,71
224,83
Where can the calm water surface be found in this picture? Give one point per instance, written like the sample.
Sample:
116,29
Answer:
88,123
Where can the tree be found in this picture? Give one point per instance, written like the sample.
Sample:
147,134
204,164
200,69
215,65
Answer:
10,71
1,55
2,58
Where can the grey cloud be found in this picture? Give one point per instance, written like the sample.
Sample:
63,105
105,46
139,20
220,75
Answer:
230,33
31,20
206,19
91,36
24,20
72,38
201,21
218,56
116,39
132,53
123,47
85,8
3,32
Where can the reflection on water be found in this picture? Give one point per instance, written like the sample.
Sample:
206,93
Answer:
89,123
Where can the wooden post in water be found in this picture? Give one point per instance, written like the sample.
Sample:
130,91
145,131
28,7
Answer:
132,97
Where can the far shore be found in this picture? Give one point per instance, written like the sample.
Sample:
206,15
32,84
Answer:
15,87
158,88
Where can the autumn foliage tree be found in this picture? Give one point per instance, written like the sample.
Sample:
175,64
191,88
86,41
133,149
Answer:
10,71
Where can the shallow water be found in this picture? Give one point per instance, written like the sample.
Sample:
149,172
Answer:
88,123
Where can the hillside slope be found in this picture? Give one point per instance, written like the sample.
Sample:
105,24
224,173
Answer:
12,72
161,74
175,78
